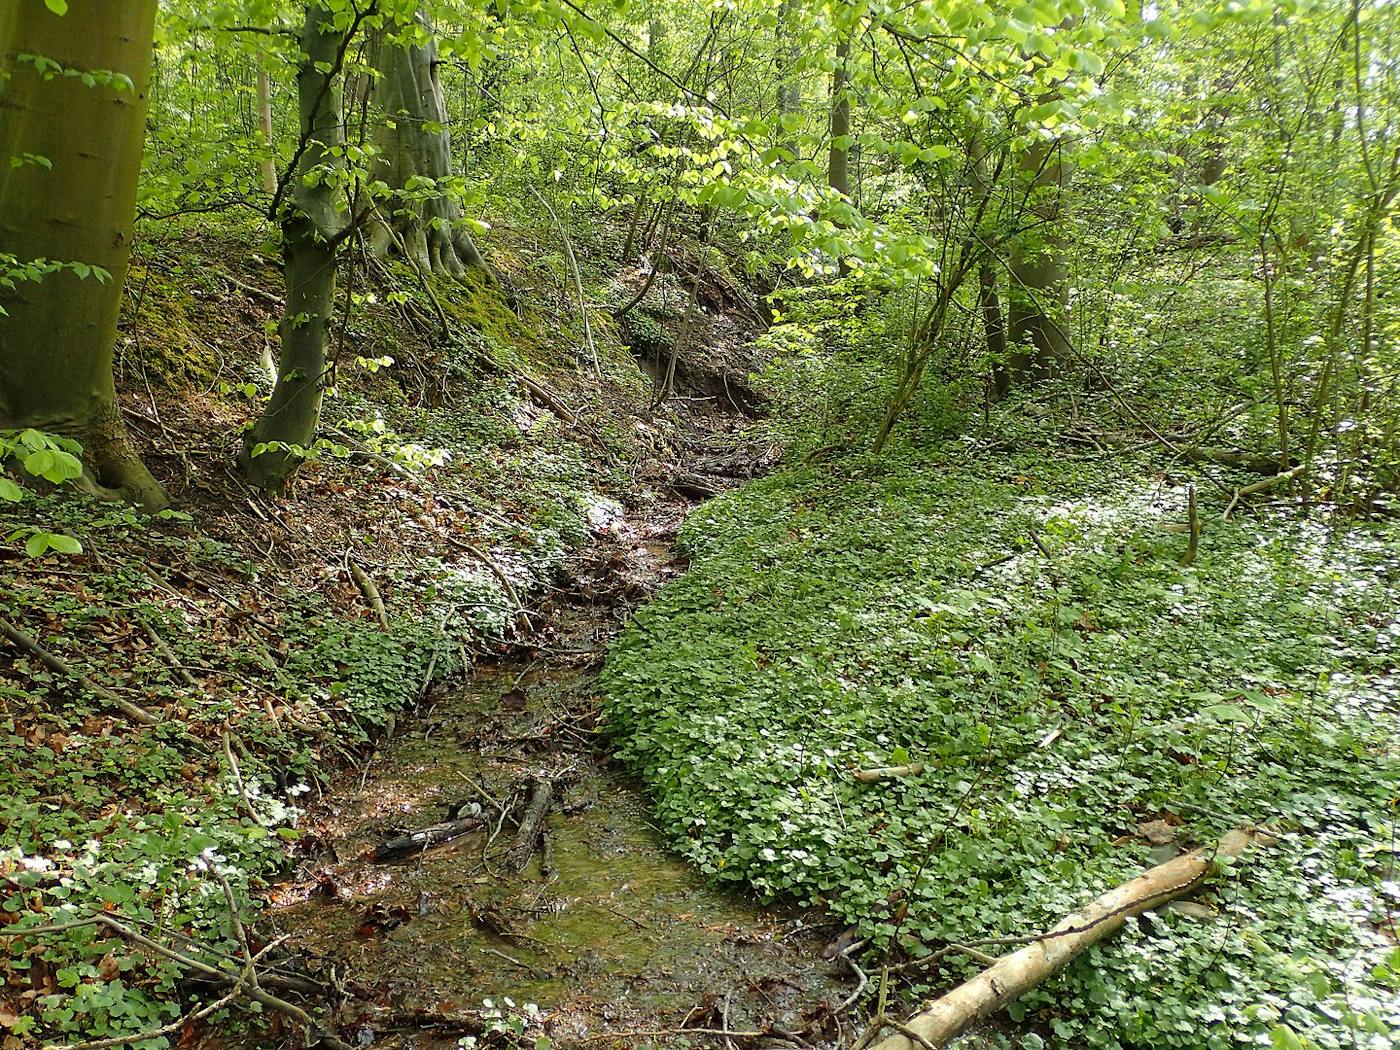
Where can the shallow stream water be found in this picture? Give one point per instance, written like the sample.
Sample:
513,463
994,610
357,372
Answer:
615,939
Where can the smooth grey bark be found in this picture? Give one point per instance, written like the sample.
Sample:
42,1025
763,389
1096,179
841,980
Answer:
57,337
423,221
269,167
789,94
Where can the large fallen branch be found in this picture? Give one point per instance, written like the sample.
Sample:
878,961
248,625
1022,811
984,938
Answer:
1013,975
531,827
417,841
1261,486
56,663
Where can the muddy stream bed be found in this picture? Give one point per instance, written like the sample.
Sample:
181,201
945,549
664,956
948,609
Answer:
617,941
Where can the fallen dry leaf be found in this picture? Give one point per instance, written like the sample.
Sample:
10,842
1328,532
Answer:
1157,832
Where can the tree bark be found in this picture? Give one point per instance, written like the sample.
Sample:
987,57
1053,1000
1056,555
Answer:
785,57
838,160
1039,269
1013,975
424,220
994,325
313,228
75,207
269,166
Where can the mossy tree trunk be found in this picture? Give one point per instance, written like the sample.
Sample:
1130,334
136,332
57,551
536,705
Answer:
315,223
1039,269
70,156
423,221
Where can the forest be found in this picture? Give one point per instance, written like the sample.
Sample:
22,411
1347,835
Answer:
729,524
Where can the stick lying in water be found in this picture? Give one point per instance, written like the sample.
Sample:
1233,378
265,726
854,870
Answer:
417,841
531,827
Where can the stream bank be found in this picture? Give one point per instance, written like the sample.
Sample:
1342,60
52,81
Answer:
609,937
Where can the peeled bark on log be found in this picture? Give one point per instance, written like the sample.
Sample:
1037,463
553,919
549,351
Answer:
1015,974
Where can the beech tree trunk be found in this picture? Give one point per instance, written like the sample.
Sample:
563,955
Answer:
423,221
994,326
1039,269
76,206
785,57
313,228
838,160
269,166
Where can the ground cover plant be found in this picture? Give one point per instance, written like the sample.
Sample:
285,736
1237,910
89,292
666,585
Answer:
346,345
1075,699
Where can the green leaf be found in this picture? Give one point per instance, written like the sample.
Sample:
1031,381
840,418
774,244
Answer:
63,544
1226,713
39,463
58,7
1284,1038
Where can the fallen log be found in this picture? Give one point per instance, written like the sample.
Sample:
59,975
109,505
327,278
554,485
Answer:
425,838
1226,457
1013,975
531,827
1261,486
870,776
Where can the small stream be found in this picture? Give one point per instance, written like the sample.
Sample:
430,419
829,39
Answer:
611,935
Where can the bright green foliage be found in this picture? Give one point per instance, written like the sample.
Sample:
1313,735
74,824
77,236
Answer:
873,614
47,456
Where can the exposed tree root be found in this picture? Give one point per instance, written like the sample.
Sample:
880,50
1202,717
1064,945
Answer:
132,711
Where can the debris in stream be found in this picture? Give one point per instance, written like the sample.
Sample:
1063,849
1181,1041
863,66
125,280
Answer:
531,827
417,841
580,909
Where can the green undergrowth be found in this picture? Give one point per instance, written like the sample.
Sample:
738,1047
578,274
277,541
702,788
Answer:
146,825
271,671
1025,629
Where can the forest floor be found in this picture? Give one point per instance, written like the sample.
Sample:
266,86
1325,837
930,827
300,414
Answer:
1066,692
430,603
415,637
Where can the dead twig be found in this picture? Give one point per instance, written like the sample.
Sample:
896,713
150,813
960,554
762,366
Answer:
534,971
370,591
190,962
863,981
1261,486
164,649
55,663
